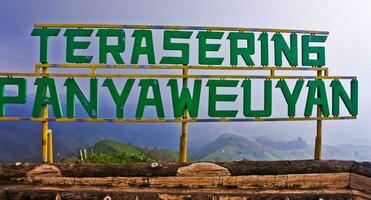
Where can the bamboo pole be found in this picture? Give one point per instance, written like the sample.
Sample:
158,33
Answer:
183,137
50,146
318,145
44,129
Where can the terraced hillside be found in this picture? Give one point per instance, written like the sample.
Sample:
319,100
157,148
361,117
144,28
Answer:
109,151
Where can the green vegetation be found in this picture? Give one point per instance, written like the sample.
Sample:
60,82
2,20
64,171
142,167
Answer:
227,147
120,158
110,146
109,151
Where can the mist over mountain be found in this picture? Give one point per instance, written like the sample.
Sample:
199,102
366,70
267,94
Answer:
298,143
229,147
21,141
233,147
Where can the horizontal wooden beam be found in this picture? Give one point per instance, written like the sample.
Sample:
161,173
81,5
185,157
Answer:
236,168
175,76
286,181
297,179
179,120
360,183
170,27
181,67
102,193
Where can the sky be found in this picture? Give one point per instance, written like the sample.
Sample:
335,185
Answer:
347,48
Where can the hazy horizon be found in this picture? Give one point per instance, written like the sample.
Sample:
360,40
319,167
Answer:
347,47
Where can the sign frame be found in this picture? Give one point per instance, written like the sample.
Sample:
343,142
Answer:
43,70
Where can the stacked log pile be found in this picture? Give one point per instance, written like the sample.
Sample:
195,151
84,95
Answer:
239,180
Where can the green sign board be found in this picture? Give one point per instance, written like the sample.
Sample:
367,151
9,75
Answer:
225,57
241,44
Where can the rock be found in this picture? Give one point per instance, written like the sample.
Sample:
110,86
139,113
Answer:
203,169
45,171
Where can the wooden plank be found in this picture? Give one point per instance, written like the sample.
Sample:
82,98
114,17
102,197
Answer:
69,181
323,180
18,192
293,181
104,181
358,195
361,183
184,182
130,182
339,194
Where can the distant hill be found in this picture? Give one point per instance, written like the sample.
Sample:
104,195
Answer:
358,152
230,147
112,147
21,141
299,149
299,143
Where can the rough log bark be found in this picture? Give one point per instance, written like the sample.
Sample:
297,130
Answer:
298,181
362,168
361,183
358,195
111,170
302,179
28,193
8,171
3,194
236,168
245,167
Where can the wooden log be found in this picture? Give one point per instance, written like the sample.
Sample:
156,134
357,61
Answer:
184,182
8,171
112,170
245,167
362,168
46,181
358,195
158,194
361,183
236,168
130,182
3,194
293,181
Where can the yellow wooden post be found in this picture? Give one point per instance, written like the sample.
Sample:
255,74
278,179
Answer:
44,129
183,137
50,146
318,145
